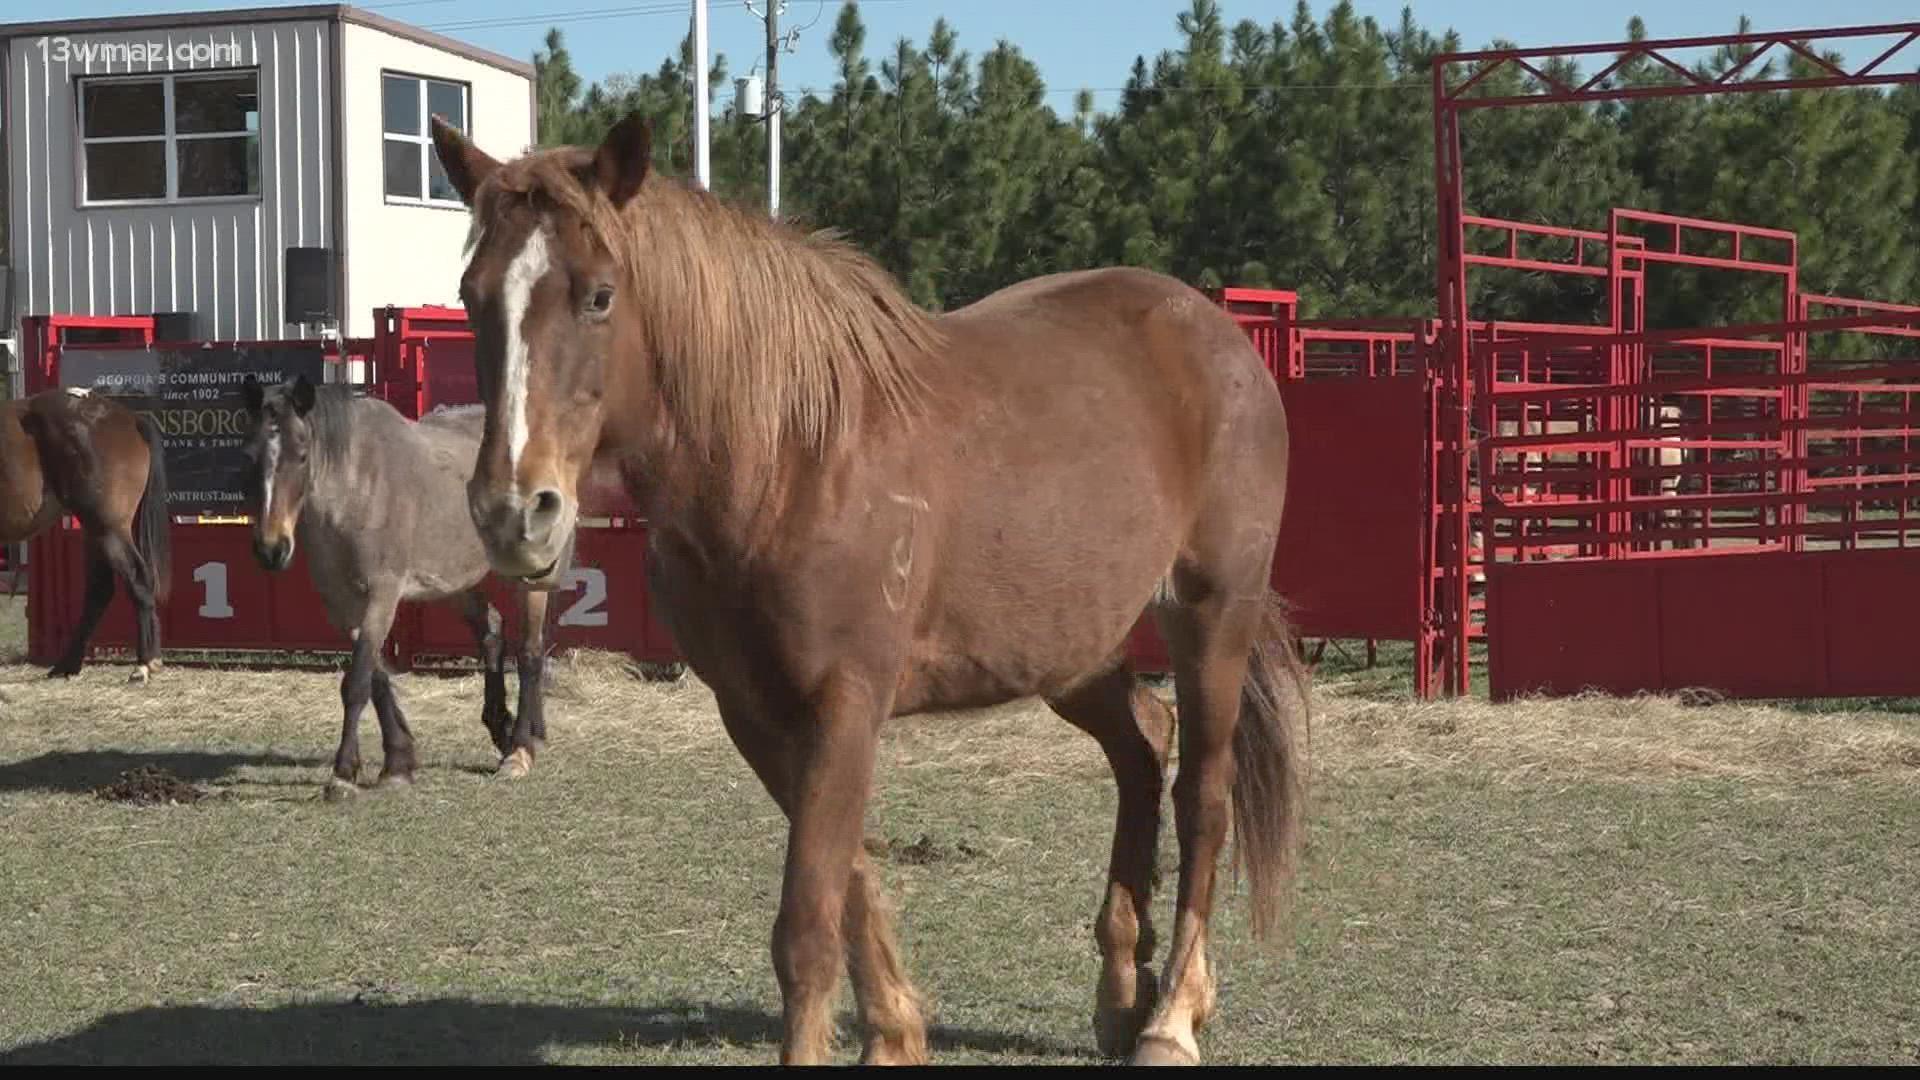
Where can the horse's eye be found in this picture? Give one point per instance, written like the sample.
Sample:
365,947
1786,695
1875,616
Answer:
602,300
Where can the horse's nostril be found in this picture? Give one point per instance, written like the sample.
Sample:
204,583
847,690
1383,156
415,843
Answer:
546,504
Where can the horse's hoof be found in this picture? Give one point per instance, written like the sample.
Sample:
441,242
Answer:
396,780
140,675
1161,1050
62,672
898,1050
515,766
338,790
1116,1029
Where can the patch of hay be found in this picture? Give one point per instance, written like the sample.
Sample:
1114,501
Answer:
606,697
604,703
1646,735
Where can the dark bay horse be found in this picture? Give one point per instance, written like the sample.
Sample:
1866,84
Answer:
379,504
859,510
69,451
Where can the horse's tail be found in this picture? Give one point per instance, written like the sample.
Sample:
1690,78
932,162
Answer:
1270,768
152,531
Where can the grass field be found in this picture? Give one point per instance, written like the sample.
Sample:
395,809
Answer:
1583,881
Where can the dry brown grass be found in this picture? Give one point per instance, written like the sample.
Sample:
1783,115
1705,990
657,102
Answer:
1589,737
1592,737
1730,884
606,701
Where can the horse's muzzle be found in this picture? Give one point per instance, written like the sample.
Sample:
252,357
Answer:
273,555
525,538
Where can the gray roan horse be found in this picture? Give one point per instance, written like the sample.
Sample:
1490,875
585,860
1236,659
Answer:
379,503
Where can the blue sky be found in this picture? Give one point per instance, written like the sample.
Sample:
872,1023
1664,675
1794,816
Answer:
1077,43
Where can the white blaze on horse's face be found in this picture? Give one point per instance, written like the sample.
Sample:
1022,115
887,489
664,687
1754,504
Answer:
526,269
268,467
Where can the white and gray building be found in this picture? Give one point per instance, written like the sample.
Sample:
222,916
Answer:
170,164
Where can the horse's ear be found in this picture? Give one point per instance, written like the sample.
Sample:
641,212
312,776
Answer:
302,396
625,155
466,164
255,396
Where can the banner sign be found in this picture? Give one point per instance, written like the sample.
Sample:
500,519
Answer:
194,395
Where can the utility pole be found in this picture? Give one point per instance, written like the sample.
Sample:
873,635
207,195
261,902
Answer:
764,106
774,107
702,169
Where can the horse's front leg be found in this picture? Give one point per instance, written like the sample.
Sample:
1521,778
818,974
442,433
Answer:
398,762
832,772
356,690
530,730
892,1012
484,620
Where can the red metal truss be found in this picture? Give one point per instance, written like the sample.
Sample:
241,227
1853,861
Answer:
1600,87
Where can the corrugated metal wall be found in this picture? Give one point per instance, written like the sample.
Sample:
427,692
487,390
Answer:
221,260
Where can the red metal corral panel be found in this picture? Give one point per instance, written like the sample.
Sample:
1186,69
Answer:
447,364
1349,559
1145,649
608,606
53,593
1771,624
221,599
605,605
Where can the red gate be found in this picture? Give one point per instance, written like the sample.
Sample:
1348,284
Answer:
1786,572
1737,403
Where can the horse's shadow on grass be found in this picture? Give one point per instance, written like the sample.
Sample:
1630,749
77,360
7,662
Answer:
81,771
444,1032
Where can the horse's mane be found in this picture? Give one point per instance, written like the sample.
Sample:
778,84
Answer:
330,426
762,333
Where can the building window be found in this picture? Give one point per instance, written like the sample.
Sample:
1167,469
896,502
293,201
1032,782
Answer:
169,138
413,172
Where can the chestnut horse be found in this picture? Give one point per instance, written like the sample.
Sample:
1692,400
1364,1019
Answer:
859,510
68,451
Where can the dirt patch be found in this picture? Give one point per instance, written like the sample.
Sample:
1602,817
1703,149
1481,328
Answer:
922,852
149,785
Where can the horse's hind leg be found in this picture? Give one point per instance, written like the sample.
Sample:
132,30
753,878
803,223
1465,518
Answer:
892,1014
484,620
133,568
100,588
1134,728
1210,637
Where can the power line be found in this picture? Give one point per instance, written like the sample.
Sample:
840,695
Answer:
1275,87
816,17
679,7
